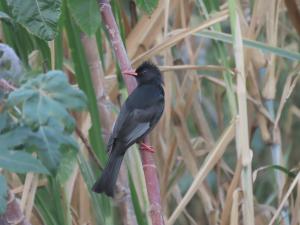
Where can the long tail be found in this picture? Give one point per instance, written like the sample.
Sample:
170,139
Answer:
108,179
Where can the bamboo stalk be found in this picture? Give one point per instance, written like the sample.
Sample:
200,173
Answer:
242,135
93,58
149,167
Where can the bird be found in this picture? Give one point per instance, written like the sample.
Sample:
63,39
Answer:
138,116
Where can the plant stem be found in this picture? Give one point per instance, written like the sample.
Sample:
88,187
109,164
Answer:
149,167
13,214
97,74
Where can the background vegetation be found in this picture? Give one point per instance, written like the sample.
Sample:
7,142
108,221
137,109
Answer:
227,145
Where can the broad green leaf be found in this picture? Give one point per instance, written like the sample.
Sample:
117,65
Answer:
45,102
48,96
20,162
14,137
38,109
86,15
49,140
227,38
3,194
20,95
40,17
57,85
146,5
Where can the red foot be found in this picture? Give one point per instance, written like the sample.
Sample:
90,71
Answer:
146,148
129,72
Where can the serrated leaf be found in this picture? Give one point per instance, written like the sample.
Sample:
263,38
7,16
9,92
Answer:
86,15
3,194
48,96
20,162
40,17
146,5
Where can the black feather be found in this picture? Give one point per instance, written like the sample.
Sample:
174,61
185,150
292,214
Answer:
147,66
138,116
109,175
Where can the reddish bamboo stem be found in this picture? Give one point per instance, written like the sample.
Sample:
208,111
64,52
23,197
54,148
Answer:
13,213
92,55
149,167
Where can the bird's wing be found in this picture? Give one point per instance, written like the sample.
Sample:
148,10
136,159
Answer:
137,116
132,125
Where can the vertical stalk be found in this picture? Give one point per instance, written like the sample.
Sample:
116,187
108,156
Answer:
149,167
97,75
242,135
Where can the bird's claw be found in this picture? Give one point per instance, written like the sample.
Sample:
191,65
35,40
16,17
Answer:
129,72
146,148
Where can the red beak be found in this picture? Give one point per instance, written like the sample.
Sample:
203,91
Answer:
130,72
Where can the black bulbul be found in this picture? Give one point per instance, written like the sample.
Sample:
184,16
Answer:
138,115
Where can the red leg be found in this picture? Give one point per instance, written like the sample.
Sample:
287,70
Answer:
129,72
147,148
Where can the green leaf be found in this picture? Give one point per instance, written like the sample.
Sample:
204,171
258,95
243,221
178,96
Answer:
45,101
49,140
48,96
227,38
14,137
5,17
140,215
66,167
287,172
20,162
146,5
40,17
3,194
19,95
58,87
86,15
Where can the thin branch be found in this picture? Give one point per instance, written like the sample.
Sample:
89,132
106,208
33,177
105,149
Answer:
88,147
